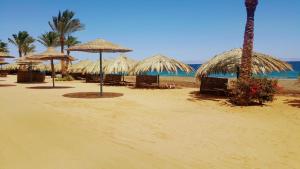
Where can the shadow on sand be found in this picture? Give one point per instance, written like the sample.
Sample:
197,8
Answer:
92,95
293,102
196,96
49,87
7,85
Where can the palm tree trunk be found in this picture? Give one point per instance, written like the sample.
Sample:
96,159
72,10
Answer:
20,53
62,62
246,65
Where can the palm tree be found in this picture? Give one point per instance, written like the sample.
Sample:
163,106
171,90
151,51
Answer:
71,41
23,41
3,47
248,40
28,46
65,24
49,39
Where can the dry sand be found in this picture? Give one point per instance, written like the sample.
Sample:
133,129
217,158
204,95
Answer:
143,129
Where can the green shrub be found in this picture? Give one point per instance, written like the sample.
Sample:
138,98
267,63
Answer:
65,78
253,91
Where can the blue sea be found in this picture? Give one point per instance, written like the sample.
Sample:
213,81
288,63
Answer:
278,75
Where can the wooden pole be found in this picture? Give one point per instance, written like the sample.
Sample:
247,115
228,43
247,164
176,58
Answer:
101,75
53,73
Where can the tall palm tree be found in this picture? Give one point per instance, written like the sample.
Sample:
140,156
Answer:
23,41
3,46
65,24
28,46
248,40
49,39
70,41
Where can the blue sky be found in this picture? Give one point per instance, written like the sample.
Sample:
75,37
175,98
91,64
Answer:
189,30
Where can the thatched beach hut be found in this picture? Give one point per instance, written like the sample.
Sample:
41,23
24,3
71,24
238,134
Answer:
229,62
158,63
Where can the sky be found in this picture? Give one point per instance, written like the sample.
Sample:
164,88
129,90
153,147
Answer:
192,31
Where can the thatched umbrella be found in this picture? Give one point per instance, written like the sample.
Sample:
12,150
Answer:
99,46
50,54
5,55
94,68
3,63
121,64
24,60
229,62
80,66
11,66
160,63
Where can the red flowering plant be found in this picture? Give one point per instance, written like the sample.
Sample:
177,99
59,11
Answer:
253,91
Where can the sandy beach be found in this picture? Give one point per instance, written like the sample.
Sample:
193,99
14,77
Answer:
142,129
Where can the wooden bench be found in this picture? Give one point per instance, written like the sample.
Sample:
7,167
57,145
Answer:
30,77
112,79
147,81
3,73
214,86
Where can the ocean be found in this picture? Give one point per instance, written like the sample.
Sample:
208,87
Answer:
278,75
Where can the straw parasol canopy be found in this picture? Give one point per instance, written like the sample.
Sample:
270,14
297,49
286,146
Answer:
11,66
121,64
94,68
80,66
3,63
229,62
50,54
99,46
25,61
160,63
5,55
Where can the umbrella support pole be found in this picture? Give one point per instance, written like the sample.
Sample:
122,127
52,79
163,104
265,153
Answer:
101,74
158,80
53,73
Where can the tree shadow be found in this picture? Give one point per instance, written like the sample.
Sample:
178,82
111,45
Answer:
7,85
293,102
49,87
197,96
92,95
31,82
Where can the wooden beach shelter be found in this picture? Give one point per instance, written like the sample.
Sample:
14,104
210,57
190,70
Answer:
80,66
121,65
230,61
160,63
99,46
5,55
50,54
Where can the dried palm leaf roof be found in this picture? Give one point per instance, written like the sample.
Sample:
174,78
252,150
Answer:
5,55
11,66
94,67
80,66
49,54
25,61
160,63
99,45
3,63
121,64
42,67
227,62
